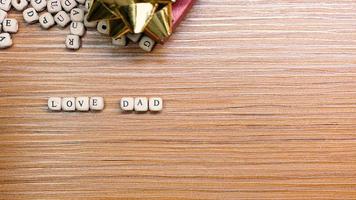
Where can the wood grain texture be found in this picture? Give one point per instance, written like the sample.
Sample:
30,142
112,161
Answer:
260,103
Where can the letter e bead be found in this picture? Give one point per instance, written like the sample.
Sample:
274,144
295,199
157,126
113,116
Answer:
96,103
30,15
10,25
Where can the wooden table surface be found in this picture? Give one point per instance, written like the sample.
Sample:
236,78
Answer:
260,103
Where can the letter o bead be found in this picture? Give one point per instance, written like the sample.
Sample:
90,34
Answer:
68,104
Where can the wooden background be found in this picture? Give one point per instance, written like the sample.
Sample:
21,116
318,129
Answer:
260,103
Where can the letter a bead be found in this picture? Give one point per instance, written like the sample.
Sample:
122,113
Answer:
141,104
5,40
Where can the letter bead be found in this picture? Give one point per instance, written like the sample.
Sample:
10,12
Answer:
72,42
87,5
62,18
103,27
127,104
68,5
120,41
141,104
68,104
46,20
30,15
55,103
3,15
38,5
77,28
89,24
5,40
10,25
5,5
54,6
19,5
81,1
82,103
155,104
147,43
96,103
134,37
77,15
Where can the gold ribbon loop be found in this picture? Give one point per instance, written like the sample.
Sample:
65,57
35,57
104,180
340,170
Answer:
153,17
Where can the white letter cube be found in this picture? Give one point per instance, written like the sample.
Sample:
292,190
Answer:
103,27
68,5
82,103
68,103
134,37
96,103
62,18
77,15
3,15
19,5
155,104
30,15
55,103
141,104
46,20
54,6
5,5
72,42
89,24
38,5
77,28
127,104
120,41
5,40
147,43
10,25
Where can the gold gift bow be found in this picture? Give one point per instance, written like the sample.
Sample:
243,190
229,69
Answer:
152,17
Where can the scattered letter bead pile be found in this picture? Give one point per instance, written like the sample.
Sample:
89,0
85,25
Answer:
60,12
